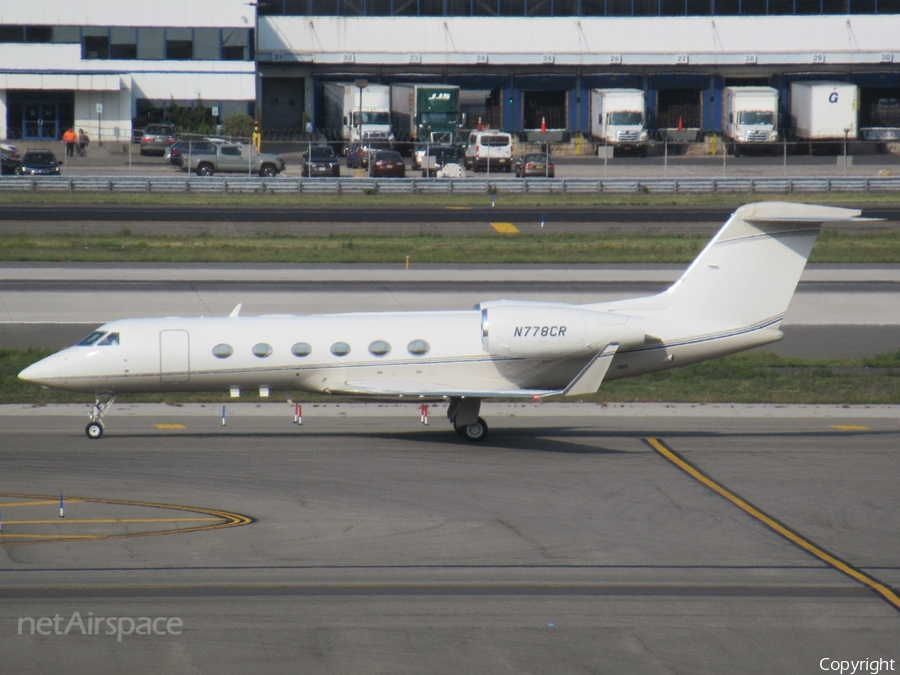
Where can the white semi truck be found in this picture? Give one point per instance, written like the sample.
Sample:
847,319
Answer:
343,118
619,119
751,118
824,110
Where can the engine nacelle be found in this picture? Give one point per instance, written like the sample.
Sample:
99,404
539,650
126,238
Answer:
535,329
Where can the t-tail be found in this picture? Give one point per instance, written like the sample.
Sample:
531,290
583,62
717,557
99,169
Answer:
735,294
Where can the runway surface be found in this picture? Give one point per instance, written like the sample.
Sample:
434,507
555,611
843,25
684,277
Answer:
838,310
565,544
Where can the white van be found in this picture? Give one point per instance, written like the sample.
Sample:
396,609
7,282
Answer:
495,147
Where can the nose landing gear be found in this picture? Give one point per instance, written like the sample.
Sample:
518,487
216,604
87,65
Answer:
94,429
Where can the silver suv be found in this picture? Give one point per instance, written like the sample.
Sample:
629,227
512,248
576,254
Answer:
156,138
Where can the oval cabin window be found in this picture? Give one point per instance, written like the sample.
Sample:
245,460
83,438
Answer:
262,350
418,347
222,351
340,349
379,348
301,349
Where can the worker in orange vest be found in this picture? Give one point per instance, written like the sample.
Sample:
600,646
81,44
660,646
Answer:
70,138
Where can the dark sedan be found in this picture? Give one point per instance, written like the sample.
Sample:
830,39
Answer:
38,163
320,160
536,164
9,159
388,163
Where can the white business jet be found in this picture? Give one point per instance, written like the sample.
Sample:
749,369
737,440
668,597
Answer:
732,297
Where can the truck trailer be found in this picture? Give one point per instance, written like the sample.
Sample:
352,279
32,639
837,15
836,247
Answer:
750,118
618,118
425,112
824,110
345,121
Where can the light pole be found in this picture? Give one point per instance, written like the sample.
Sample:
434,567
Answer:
362,83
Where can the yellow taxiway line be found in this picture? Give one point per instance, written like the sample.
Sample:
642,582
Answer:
833,561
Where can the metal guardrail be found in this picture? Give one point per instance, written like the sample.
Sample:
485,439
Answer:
281,185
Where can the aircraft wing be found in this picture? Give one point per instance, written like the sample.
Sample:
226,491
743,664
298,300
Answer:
587,381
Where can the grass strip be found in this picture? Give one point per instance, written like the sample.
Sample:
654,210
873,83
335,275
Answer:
758,377
832,247
154,199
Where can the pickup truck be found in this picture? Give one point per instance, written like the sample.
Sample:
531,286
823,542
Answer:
228,159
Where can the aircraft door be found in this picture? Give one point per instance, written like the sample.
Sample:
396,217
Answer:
174,356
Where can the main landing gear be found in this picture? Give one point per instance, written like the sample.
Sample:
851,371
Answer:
94,429
463,415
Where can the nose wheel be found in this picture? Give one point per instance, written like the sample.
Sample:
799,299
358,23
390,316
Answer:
102,404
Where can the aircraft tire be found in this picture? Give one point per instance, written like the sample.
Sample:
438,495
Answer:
474,433
94,430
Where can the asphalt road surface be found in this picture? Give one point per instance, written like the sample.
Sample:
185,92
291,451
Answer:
565,544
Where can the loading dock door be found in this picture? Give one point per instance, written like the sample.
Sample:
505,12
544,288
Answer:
673,105
174,356
544,104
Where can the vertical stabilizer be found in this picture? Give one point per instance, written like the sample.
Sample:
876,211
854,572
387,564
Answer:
748,273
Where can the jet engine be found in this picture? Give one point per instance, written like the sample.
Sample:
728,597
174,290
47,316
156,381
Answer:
537,330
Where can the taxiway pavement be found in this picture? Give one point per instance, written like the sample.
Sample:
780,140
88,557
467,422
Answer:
564,544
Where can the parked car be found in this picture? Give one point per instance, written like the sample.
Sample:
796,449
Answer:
437,158
387,163
320,160
38,163
370,147
9,159
230,159
176,152
534,164
156,138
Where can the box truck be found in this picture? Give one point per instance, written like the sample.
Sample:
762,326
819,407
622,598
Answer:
618,118
751,118
425,112
345,121
824,110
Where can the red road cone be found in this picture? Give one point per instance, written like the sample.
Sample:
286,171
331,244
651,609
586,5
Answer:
543,125
680,124
480,125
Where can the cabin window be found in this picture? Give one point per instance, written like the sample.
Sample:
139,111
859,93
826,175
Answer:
379,348
91,339
222,351
301,349
418,347
262,350
111,339
340,349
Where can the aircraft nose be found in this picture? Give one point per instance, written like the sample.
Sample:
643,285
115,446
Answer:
43,372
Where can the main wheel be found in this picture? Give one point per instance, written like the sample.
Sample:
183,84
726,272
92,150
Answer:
205,170
474,433
267,171
94,430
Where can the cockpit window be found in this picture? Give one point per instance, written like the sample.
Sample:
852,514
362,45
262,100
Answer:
111,339
91,339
